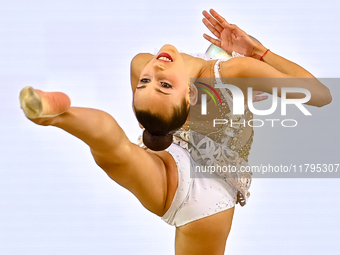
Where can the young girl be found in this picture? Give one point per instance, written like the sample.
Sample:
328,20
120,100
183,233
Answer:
163,89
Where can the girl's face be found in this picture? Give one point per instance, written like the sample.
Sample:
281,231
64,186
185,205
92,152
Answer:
163,82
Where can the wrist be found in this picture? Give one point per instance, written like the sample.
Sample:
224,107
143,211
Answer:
259,50
260,53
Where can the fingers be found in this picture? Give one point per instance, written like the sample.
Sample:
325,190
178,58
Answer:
212,40
218,17
211,28
257,93
221,21
259,98
212,21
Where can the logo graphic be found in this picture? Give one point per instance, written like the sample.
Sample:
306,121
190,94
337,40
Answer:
238,99
204,97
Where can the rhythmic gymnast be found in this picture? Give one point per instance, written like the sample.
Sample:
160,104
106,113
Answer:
164,88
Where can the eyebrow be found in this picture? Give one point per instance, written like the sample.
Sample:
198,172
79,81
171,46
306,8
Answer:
157,89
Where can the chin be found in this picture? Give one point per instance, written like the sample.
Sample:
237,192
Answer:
169,47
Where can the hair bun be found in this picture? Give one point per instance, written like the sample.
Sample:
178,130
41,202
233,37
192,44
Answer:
156,142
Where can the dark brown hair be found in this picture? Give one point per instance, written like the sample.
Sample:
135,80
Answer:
158,131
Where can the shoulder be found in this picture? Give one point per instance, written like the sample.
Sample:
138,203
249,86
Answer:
235,67
231,68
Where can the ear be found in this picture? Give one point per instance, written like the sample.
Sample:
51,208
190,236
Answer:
193,94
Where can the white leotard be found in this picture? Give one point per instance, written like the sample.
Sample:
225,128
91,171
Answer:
198,194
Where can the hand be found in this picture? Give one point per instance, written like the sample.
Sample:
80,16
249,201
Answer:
257,98
231,38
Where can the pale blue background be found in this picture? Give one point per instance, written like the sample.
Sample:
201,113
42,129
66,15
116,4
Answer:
53,197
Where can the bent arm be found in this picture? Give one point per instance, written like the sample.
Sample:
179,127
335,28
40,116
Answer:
253,70
232,38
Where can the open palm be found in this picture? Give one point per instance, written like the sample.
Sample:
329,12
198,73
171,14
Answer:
231,37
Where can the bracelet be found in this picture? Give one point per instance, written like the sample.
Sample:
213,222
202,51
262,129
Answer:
260,57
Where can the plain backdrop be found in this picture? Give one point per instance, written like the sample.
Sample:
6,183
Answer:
53,197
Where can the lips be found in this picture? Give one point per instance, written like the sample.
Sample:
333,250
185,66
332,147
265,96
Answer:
165,57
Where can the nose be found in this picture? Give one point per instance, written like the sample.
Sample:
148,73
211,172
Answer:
158,66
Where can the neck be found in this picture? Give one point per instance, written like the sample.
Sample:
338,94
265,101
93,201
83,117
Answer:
193,65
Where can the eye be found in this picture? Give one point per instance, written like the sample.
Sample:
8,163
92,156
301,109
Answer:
166,85
144,80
